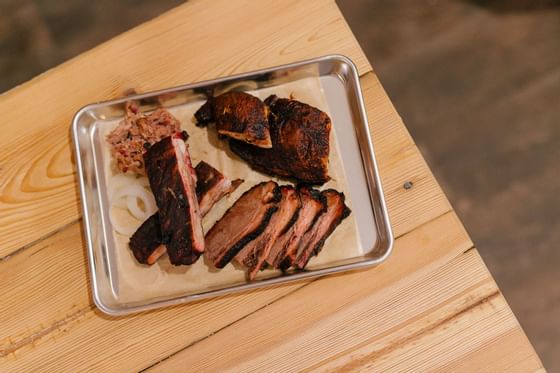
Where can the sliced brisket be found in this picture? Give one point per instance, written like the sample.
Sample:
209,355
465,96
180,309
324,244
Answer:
242,222
254,254
172,180
314,239
283,252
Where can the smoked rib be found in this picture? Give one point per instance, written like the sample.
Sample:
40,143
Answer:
173,183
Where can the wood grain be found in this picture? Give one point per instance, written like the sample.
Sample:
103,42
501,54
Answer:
92,341
37,183
53,272
432,305
418,323
400,162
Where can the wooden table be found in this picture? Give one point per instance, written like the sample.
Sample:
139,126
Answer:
432,305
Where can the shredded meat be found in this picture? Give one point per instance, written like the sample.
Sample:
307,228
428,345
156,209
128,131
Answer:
135,132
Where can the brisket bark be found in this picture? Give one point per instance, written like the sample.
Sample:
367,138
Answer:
314,239
254,254
283,252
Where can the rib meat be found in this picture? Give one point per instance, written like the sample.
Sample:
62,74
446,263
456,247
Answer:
237,115
300,143
172,180
211,186
254,254
283,252
242,222
314,239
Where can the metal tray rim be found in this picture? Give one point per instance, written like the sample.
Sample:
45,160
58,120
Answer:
298,276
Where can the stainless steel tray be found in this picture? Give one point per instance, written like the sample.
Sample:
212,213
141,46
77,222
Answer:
341,86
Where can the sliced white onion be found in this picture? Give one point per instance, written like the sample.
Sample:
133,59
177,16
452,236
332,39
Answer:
124,229
119,181
132,193
126,192
121,202
134,207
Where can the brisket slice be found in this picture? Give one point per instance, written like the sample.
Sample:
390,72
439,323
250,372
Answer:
314,239
237,115
254,254
172,180
283,252
242,222
211,186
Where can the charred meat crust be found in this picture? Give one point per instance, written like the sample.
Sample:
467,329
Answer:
290,258
146,239
254,254
300,136
335,221
145,242
232,252
136,131
205,114
206,178
238,115
170,191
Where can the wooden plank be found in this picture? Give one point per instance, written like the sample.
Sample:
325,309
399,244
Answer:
43,286
92,341
38,192
53,272
520,359
419,322
393,146
335,313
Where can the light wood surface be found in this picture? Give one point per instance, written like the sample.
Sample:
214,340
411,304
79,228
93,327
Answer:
432,305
